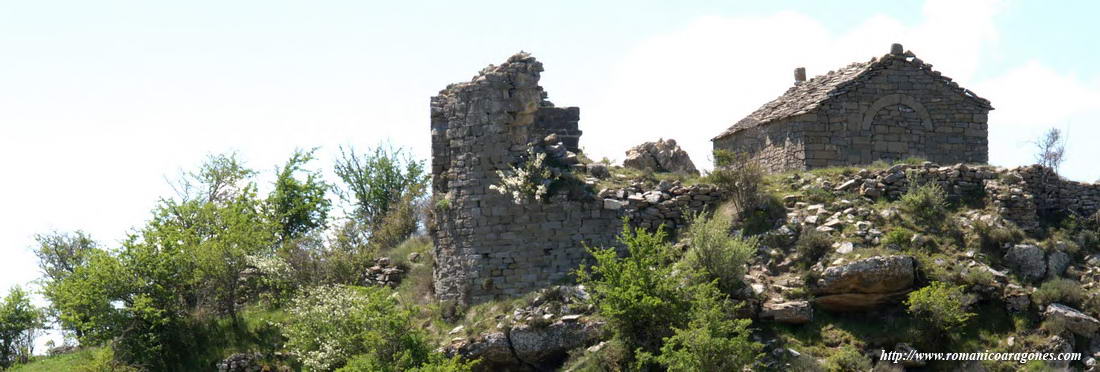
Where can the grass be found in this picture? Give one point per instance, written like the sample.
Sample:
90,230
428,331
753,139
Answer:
623,177
64,362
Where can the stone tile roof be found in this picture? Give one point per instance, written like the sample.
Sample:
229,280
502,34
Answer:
808,95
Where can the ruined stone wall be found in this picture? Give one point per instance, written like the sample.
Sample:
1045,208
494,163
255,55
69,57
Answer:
898,109
487,246
776,147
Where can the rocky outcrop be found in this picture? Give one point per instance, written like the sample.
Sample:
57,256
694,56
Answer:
1028,260
791,312
865,284
529,345
1074,320
661,156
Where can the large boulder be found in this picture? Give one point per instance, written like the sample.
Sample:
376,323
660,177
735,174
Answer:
1028,260
527,345
1074,320
660,156
865,284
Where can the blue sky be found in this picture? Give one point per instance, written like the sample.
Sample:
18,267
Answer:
101,101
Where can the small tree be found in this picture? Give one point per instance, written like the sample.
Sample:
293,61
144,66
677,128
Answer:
59,254
19,321
712,340
1050,149
298,206
375,181
940,305
739,176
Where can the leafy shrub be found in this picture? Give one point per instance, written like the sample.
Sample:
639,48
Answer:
739,176
399,223
900,237
926,203
718,255
812,245
298,206
712,341
979,276
993,238
104,360
638,294
940,305
848,358
329,326
768,212
19,321
1059,290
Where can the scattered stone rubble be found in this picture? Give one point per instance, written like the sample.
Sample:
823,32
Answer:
383,273
661,156
664,205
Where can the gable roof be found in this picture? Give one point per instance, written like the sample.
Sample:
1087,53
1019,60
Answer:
808,95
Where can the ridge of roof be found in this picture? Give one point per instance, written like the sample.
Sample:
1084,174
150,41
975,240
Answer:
806,96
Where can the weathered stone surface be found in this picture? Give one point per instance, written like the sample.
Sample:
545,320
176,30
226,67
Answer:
865,284
1057,262
537,346
891,107
660,156
1074,320
1028,260
791,312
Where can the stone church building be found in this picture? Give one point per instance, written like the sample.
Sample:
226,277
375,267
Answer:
889,108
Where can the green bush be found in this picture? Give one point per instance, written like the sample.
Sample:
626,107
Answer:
330,326
847,359
19,322
1059,290
901,237
741,178
926,203
718,255
712,341
812,245
639,294
939,305
990,237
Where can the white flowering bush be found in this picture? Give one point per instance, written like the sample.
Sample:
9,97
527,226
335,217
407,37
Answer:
274,279
531,180
332,326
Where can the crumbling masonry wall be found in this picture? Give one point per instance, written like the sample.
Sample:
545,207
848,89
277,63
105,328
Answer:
486,246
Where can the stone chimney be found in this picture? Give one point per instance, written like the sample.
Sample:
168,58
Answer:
799,75
897,49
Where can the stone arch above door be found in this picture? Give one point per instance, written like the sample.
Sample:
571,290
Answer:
896,99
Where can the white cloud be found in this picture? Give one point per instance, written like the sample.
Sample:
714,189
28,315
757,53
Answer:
693,83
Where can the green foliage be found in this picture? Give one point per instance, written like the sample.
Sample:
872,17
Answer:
899,237
375,181
715,253
711,341
741,178
847,359
1059,290
638,294
926,203
19,322
59,254
812,245
400,223
103,359
298,206
939,305
365,329
83,299
990,237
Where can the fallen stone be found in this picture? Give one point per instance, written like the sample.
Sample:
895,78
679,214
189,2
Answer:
1027,260
792,312
865,283
1074,320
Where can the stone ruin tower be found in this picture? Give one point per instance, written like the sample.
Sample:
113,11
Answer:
487,246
